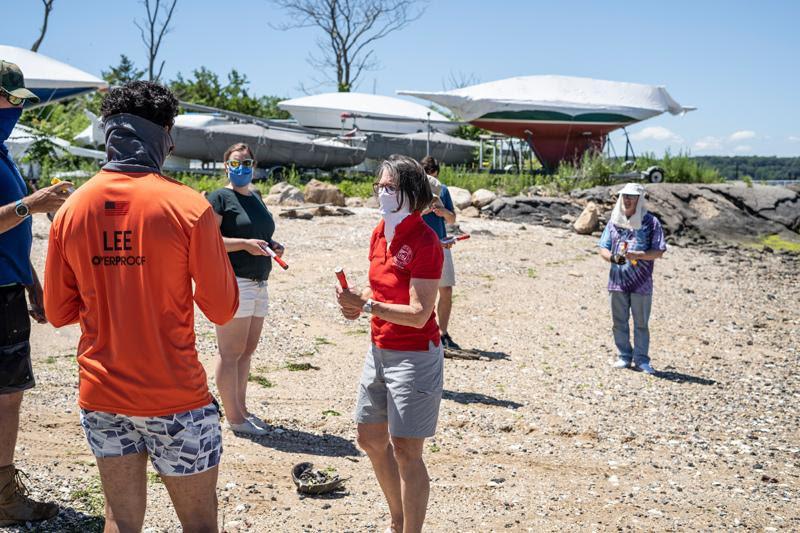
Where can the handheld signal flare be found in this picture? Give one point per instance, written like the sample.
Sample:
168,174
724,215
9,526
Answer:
341,277
273,255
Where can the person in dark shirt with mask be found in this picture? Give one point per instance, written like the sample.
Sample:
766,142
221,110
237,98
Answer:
247,227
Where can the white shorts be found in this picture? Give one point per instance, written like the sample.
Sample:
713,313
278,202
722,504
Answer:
448,270
253,298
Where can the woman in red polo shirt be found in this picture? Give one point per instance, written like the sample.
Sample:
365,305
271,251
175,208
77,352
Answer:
401,384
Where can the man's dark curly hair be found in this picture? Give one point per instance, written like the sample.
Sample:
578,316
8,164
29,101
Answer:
145,99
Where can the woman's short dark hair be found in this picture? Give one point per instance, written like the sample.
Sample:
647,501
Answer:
411,181
238,147
430,165
145,99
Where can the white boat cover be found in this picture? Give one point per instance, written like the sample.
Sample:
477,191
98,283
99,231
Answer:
564,94
324,111
49,79
22,137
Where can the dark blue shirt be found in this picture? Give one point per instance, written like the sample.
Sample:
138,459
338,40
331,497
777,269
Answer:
15,244
436,222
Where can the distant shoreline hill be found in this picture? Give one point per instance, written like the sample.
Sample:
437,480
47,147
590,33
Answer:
757,167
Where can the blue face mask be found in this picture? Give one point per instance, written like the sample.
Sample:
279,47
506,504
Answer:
240,177
8,119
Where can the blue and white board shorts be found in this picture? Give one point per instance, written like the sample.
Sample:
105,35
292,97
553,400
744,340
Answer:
403,388
178,445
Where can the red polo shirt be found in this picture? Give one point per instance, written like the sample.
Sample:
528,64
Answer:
415,252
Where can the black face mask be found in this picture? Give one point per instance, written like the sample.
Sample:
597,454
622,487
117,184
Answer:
134,144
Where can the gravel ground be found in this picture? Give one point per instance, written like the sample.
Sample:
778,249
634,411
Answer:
540,435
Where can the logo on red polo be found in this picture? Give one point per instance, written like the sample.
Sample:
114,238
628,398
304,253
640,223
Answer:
403,257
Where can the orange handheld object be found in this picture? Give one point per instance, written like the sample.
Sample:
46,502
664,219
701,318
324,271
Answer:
273,255
341,277
463,237
634,262
56,181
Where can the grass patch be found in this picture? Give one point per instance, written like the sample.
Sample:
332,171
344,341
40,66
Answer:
434,448
261,380
359,331
322,341
300,367
50,360
89,498
776,242
331,412
532,273
153,478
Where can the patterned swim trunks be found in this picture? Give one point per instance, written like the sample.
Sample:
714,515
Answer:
178,445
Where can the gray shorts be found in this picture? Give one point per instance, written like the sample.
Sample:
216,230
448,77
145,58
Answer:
178,445
402,388
448,278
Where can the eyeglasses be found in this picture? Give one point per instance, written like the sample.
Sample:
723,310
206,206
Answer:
13,100
246,163
378,187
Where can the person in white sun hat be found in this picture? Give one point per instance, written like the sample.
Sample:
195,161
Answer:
631,242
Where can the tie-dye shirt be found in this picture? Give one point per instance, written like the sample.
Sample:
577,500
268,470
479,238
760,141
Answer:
629,277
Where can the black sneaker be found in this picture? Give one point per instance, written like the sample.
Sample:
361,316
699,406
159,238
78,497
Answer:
449,343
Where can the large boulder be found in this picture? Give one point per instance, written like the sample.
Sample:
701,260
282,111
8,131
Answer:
697,213
539,210
284,194
589,220
471,212
354,201
483,197
323,193
372,202
461,197
279,187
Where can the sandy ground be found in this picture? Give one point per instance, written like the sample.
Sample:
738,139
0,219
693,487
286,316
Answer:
541,435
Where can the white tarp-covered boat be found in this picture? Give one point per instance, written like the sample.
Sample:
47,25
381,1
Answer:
561,116
367,112
49,79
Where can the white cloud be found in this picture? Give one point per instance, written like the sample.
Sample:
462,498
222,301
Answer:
742,149
742,135
794,139
656,133
708,143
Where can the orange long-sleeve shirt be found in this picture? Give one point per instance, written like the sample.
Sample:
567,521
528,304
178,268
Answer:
123,252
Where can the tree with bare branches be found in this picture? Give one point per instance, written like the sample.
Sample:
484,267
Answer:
350,27
153,30
48,7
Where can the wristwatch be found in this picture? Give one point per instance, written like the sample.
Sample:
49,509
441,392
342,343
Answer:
367,307
21,209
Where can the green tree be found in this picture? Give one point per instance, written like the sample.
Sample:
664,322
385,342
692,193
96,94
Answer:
205,88
124,72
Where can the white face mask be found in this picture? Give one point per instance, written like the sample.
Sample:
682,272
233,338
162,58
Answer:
392,216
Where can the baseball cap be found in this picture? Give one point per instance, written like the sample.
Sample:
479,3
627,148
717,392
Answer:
13,82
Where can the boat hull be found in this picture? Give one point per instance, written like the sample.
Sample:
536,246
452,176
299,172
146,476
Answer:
271,147
444,148
554,142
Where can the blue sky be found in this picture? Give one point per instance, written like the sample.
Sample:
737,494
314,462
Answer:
737,61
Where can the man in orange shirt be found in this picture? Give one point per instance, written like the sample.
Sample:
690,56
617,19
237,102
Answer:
123,253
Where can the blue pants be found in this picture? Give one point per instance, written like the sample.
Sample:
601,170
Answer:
623,305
